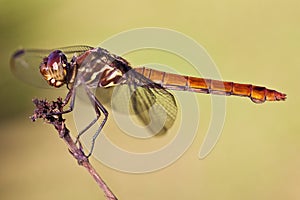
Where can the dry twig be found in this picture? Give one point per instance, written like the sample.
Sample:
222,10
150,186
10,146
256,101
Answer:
46,110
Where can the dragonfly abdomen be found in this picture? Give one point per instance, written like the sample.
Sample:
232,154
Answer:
257,94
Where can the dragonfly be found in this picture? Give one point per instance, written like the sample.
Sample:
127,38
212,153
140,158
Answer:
95,67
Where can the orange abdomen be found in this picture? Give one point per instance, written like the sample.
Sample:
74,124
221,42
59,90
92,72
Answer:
170,81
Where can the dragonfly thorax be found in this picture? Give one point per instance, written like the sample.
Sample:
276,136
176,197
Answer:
55,68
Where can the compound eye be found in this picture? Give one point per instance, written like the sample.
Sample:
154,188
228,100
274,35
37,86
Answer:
56,59
53,68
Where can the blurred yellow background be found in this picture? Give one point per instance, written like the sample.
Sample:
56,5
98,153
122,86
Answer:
257,156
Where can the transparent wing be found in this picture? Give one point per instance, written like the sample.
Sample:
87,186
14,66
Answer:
154,106
25,63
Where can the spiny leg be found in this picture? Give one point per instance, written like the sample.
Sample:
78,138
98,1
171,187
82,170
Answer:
98,106
98,114
70,95
98,109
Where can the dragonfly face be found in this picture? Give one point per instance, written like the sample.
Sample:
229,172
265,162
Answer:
55,68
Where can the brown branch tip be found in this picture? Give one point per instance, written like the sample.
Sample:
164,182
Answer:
46,110
51,113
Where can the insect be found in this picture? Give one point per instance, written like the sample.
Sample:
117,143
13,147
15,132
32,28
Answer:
96,67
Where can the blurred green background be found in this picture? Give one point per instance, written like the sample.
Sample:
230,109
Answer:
257,156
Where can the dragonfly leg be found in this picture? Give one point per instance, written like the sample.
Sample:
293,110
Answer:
98,114
98,109
70,95
104,111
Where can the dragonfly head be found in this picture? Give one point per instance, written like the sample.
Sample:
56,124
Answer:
54,68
